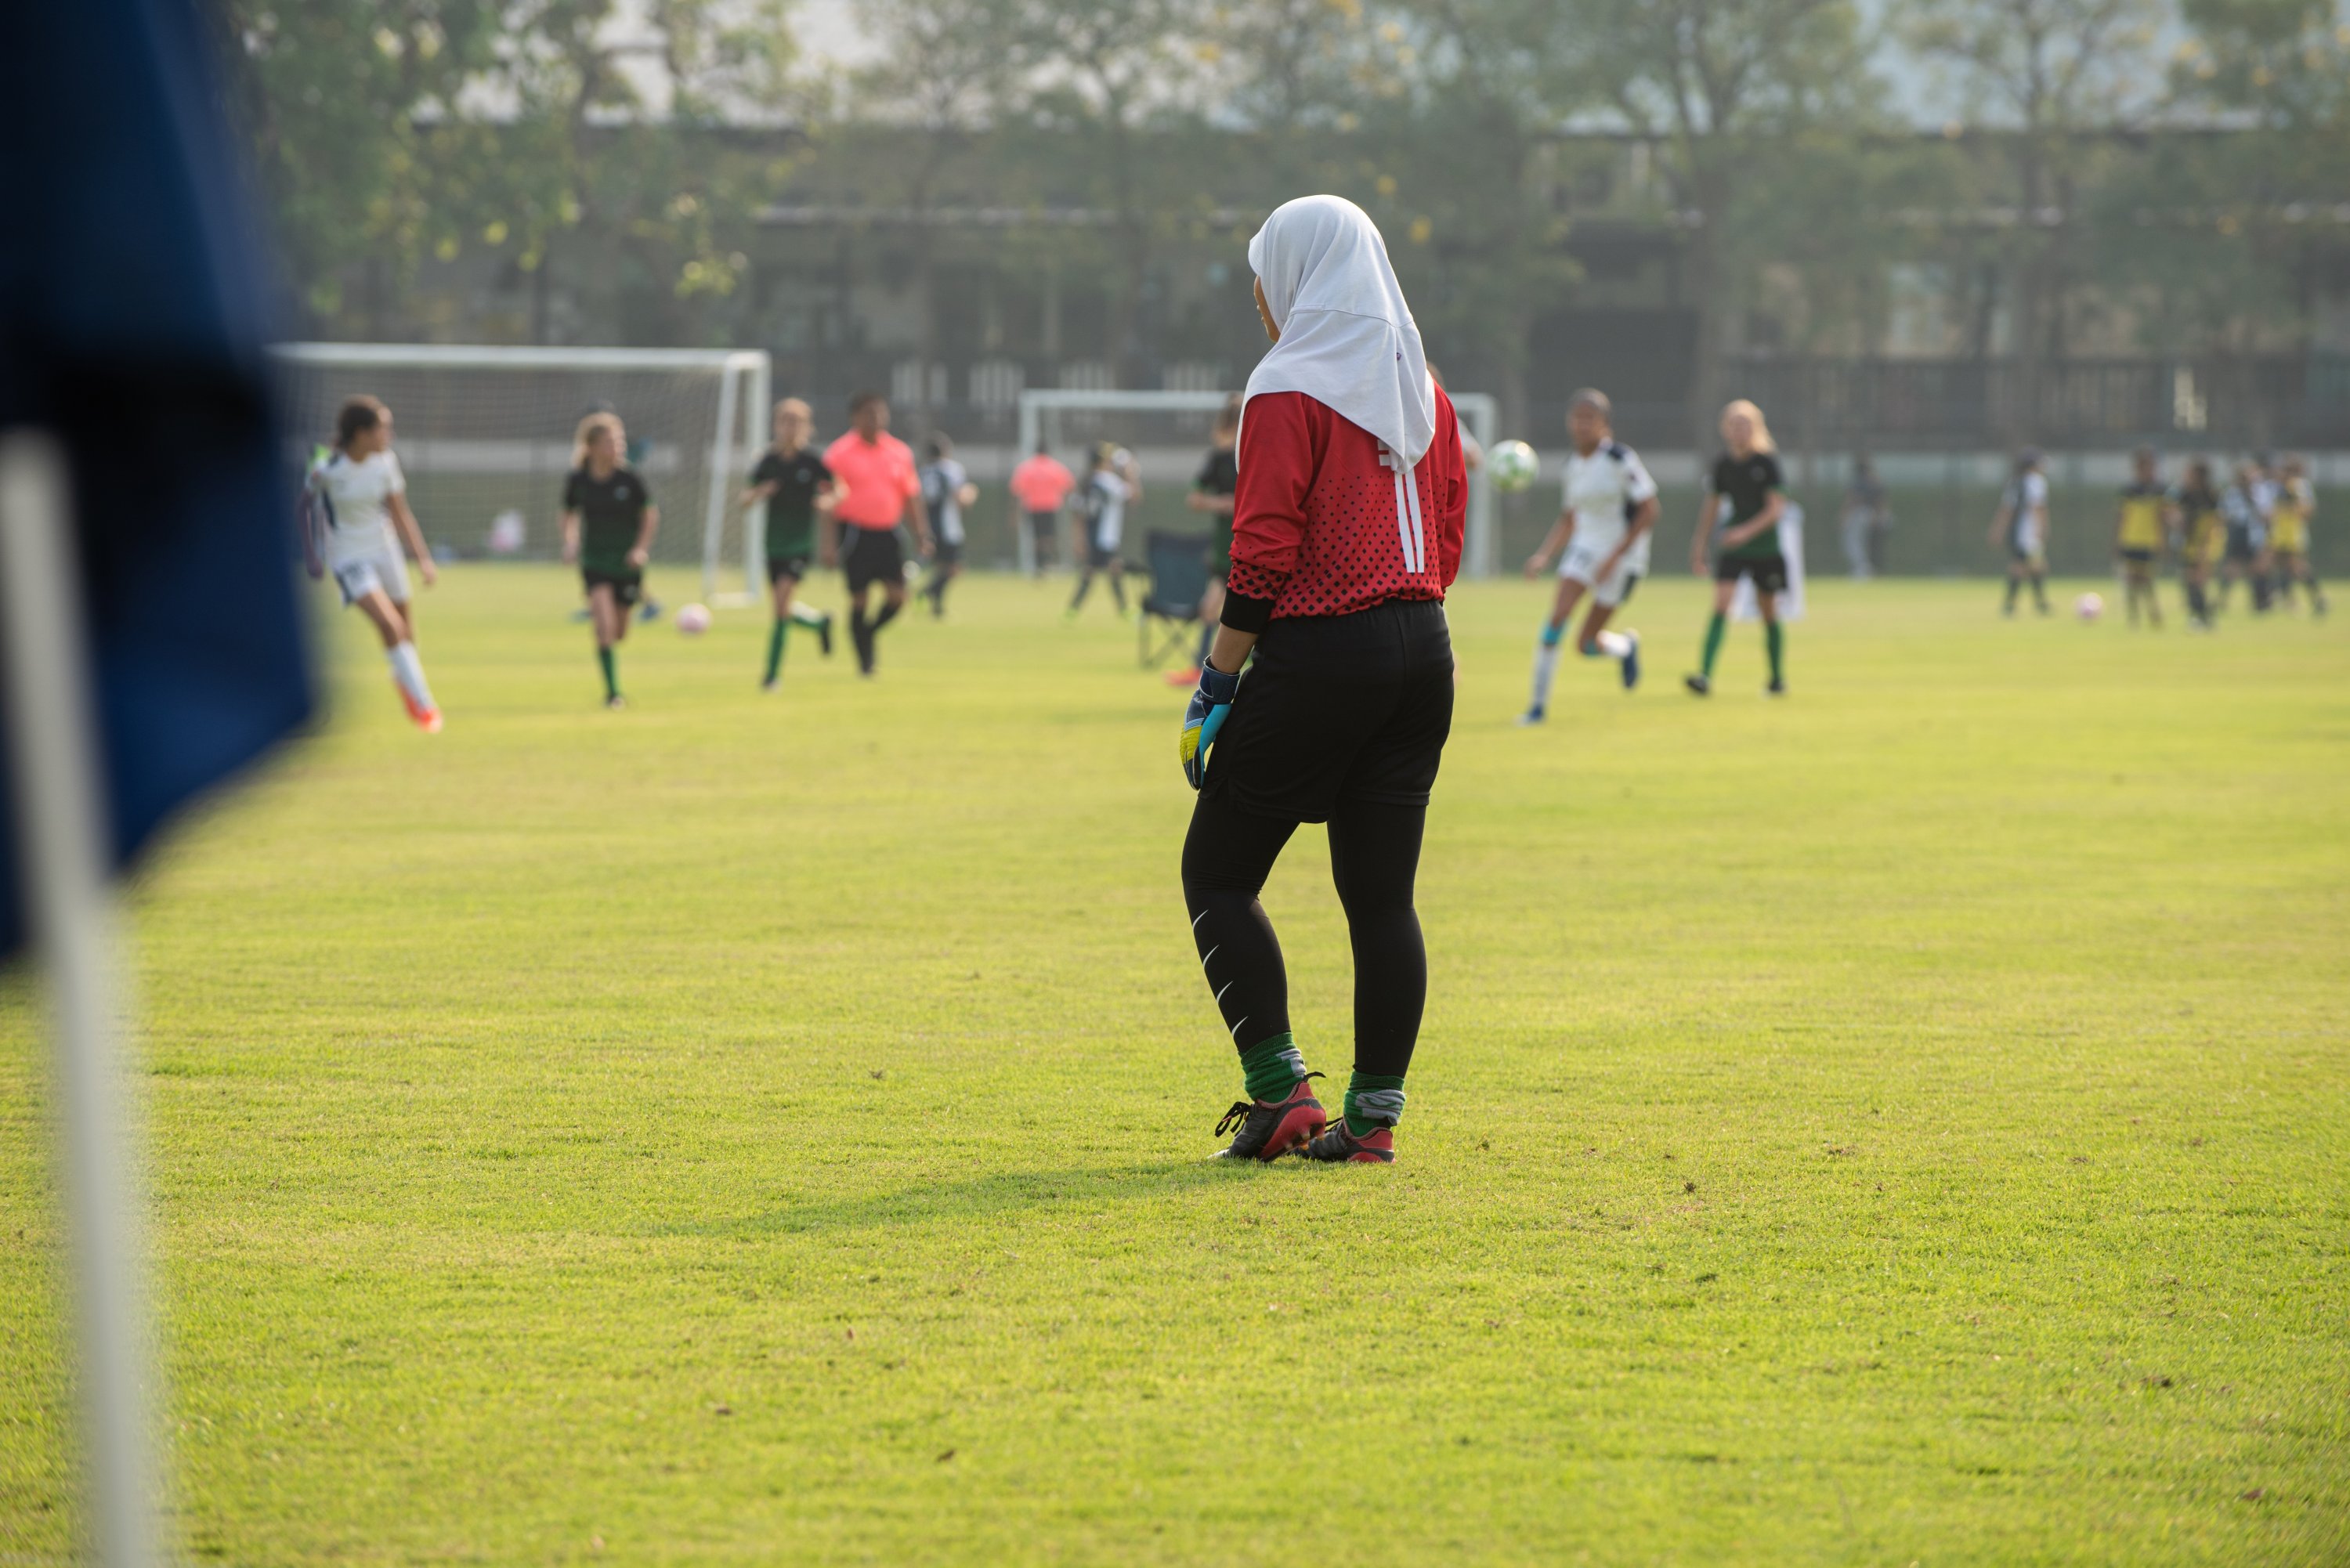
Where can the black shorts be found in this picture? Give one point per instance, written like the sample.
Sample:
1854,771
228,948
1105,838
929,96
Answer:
1100,557
2138,557
1041,525
946,554
627,586
1769,572
781,566
1338,709
874,555
2240,544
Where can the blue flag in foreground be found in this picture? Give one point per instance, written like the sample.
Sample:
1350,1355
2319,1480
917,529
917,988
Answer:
132,315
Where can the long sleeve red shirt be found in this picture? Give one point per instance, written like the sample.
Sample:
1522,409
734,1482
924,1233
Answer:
1315,524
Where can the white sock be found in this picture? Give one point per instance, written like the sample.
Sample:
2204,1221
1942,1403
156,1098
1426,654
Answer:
1614,644
1546,671
409,670
807,615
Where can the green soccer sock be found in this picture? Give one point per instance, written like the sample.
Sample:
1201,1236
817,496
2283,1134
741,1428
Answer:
1272,1067
611,672
1373,1100
1774,643
1714,630
776,649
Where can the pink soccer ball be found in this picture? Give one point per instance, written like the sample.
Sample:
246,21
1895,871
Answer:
2089,607
693,619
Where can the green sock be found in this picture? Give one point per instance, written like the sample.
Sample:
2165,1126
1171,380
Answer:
1714,630
1373,1100
776,649
1273,1067
1774,642
611,675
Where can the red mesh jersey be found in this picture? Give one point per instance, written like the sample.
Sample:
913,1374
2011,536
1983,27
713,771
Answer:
1315,529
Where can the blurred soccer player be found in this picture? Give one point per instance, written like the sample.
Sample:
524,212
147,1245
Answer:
1112,484
2137,534
947,491
1603,527
609,524
2289,517
357,499
1211,494
1742,500
1347,530
1864,520
1040,484
2020,527
878,489
797,486
2202,533
2245,505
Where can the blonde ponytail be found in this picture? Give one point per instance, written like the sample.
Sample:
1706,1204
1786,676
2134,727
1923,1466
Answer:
1762,438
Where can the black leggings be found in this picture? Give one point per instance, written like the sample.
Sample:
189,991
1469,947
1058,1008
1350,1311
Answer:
1374,856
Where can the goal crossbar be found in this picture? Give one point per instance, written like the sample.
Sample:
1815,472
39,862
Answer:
745,379
1478,410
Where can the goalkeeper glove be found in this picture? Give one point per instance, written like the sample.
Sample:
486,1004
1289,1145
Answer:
1211,705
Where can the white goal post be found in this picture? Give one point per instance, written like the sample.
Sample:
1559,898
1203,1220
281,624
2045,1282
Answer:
1043,413
485,432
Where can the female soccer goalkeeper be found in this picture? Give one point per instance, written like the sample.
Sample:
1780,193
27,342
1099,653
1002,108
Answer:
1347,530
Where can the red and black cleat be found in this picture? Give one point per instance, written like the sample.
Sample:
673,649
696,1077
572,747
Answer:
1270,1129
1338,1146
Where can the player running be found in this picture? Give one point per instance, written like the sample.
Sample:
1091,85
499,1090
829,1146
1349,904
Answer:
2196,511
797,487
1743,499
2137,534
947,490
1606,523
875,471
609,524
2020,527
356,503
1041,483
1347,530
2289,519
1113,483
1211,494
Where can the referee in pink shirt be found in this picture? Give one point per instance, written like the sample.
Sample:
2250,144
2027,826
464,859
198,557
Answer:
1040,484
873,472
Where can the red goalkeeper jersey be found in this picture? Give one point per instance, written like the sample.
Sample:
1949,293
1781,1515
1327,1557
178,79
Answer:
1322,525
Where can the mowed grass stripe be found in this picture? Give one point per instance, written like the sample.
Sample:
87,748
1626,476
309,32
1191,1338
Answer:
1899,1123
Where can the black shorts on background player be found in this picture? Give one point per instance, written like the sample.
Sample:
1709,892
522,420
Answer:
873,557
1338,709
627,587
781,566
1769,572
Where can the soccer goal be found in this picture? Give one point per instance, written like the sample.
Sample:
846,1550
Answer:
484,437
1166,432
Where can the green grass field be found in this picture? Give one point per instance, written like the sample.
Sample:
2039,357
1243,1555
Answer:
1902,1124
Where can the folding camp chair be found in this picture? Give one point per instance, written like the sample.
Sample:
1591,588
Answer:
1178,565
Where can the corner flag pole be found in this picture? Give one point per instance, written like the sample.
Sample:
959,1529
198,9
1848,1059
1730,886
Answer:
70,913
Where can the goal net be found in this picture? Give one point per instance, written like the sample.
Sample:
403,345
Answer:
1167,434
485,436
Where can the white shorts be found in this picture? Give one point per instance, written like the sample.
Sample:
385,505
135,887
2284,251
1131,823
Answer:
1582,565
379,570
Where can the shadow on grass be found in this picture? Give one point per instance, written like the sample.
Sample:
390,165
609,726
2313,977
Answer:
977,1199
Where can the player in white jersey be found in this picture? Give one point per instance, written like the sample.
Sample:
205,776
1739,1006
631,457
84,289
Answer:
947,491
354,501
1609,513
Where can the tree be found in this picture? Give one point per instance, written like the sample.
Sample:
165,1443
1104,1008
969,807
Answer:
1720,88
2050,77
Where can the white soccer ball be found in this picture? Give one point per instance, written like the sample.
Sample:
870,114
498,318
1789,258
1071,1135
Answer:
693,619
2089,607
1513,464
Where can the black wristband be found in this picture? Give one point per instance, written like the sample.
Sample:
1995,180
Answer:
1243,614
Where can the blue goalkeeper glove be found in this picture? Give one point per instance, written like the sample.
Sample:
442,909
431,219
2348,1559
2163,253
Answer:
1211,705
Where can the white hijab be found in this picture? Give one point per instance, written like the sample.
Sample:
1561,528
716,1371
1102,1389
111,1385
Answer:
1347,338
